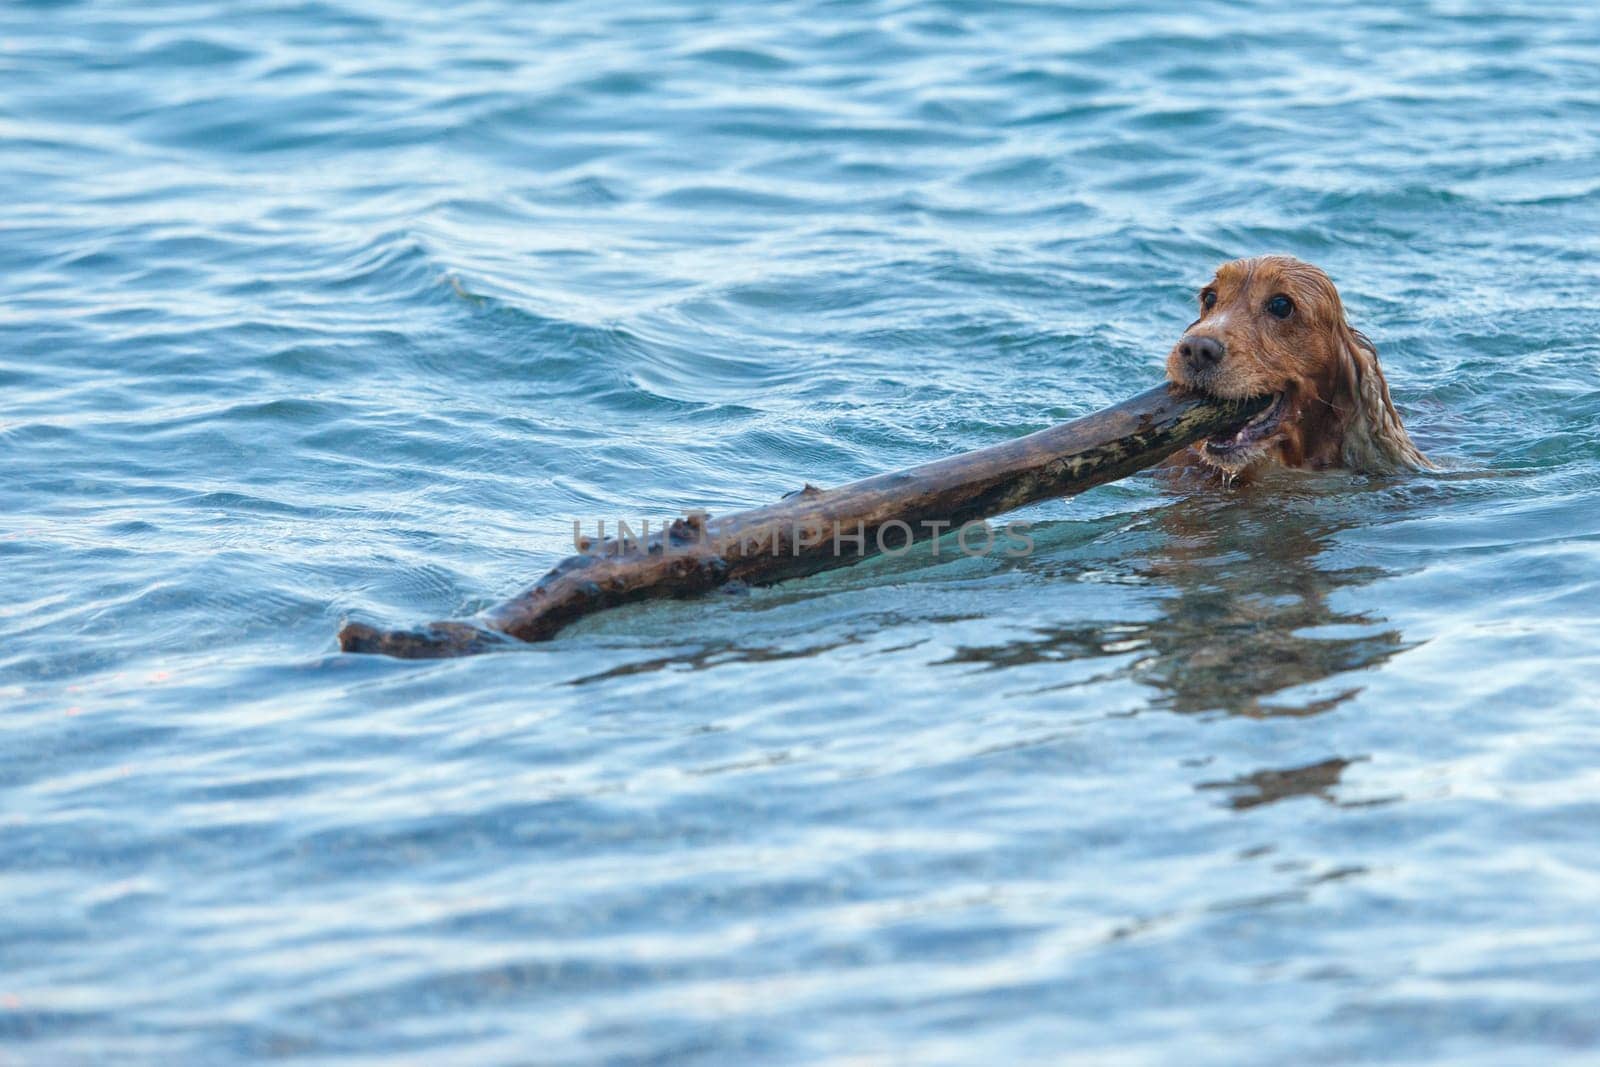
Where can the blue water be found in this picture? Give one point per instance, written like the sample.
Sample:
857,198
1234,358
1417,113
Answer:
325,309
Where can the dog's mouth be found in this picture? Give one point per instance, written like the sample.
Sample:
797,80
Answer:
1240,445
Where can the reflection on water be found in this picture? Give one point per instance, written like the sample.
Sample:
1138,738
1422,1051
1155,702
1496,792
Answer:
1266,786
1245,616
1247,594
1243,584
704,657
1318,780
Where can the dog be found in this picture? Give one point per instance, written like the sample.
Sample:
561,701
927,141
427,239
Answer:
1274,326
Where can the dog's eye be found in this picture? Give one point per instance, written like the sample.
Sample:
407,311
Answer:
1208,298
1280,307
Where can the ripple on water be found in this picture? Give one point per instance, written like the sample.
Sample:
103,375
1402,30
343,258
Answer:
316,311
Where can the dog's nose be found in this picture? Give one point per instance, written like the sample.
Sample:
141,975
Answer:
1201,352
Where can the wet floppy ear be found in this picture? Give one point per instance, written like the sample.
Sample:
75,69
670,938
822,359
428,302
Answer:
1352,350
1374,438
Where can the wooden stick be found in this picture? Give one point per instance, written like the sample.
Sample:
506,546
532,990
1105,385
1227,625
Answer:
818,529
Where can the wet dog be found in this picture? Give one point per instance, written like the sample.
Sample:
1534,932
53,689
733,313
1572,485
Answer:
1274,326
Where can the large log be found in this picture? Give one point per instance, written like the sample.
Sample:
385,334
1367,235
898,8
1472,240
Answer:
818,529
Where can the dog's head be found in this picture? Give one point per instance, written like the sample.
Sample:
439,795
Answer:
1275,326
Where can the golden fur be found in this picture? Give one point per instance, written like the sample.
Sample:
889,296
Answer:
1333,410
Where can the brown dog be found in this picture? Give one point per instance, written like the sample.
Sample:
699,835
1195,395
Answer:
1274,326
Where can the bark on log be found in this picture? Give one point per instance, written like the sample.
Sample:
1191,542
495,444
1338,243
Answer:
818,529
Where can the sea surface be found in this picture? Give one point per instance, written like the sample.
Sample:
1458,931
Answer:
328,310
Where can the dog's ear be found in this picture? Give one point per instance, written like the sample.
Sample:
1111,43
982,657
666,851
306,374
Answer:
1374,438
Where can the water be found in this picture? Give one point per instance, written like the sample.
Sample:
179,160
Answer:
344,309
